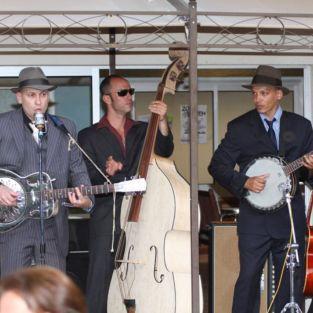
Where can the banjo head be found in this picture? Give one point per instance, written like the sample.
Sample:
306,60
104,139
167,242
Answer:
277,184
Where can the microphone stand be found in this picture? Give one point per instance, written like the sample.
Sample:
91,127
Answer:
292,261
42,248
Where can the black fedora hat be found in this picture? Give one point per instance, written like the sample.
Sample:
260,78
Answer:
267,76
33,77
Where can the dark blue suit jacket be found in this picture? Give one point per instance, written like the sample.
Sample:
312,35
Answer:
246,139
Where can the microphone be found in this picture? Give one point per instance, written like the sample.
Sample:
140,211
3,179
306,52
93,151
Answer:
40,123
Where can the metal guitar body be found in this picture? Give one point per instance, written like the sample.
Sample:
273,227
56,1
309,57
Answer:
28,202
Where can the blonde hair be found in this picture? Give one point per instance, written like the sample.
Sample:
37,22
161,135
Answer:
45,289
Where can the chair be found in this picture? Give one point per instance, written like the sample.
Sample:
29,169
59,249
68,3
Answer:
229,213
211,211
208,214
208,207
229,208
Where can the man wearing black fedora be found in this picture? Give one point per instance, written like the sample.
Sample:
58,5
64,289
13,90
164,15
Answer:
26,242
263,131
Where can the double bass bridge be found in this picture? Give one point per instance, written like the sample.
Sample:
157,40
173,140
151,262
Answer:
135,262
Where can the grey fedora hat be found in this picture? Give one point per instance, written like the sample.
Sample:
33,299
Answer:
32,77
268,76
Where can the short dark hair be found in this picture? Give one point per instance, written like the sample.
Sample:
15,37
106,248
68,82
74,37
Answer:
105,86
45,289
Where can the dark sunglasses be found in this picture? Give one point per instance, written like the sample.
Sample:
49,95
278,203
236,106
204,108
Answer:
124,92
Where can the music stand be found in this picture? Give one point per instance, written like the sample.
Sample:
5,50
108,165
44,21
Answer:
292,261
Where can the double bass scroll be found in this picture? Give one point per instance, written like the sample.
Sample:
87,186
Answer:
167,85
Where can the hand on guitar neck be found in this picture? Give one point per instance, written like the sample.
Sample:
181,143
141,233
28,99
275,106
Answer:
78,200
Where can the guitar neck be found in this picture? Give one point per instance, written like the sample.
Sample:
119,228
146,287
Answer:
85,190
294,165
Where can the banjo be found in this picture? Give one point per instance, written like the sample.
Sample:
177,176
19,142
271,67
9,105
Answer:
28,201
281,180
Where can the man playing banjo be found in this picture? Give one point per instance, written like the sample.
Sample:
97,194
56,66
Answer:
257,142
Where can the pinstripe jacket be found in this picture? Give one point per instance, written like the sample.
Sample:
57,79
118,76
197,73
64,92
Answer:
65,166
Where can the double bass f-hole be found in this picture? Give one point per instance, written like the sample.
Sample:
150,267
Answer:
122,275
155,268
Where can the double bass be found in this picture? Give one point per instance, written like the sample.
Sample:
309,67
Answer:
153,259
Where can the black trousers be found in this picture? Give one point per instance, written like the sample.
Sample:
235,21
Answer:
101,266
253,251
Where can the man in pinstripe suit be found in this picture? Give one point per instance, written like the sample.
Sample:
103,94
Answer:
19,153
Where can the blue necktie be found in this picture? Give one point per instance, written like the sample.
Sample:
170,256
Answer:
271,132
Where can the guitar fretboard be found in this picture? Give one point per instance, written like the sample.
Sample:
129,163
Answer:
294,165
86,190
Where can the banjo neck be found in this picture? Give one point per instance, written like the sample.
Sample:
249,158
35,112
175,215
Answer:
294,165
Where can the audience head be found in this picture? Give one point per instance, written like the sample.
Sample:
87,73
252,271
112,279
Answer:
40,290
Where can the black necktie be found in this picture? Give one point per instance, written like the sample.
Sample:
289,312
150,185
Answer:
271,132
